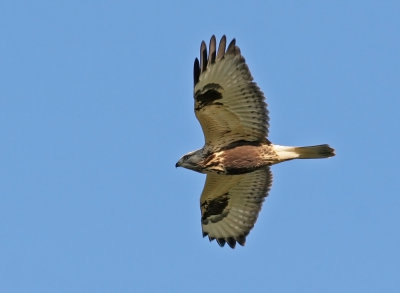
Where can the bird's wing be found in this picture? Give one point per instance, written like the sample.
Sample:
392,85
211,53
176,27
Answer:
228,104
230,205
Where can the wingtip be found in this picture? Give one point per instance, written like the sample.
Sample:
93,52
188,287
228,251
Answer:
231,47
196,71
241,240
212,50
221,48
207,58
231,242
221,241
203,56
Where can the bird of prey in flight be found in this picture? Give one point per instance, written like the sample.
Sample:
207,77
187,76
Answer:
236,155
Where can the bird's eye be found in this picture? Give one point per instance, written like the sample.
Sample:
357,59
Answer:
185,157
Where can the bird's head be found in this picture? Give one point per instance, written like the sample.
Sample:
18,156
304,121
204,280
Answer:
191,161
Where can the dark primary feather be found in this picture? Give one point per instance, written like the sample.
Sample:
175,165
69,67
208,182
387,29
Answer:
203,56
213,45
200,67
196,71
231,47
221,48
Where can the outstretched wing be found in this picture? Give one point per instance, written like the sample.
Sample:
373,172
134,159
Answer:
230,205
228,104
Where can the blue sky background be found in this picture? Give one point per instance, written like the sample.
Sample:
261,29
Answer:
96,107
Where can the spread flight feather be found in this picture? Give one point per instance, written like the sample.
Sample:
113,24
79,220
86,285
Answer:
237,154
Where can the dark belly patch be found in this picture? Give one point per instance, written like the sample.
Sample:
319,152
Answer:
242,159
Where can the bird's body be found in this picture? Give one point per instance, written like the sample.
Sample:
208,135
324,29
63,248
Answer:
246,157
237,154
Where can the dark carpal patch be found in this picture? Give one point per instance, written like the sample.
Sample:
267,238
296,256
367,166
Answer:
212,86
207,96
214,207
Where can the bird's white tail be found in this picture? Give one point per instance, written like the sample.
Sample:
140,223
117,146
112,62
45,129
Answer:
307,152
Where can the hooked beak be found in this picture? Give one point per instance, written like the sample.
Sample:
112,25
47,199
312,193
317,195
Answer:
178,164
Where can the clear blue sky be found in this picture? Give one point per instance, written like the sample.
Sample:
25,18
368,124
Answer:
96,107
